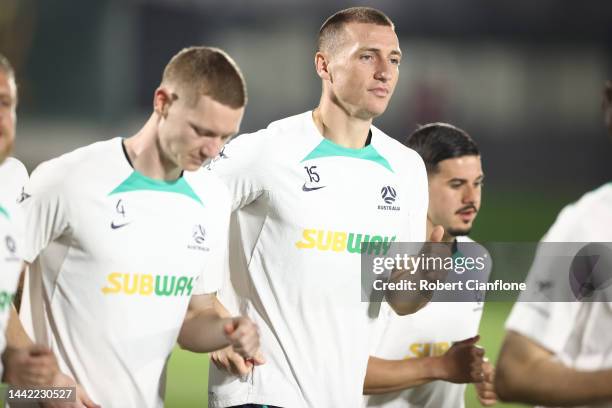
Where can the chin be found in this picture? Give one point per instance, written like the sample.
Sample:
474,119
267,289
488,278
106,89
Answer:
192,166
459,232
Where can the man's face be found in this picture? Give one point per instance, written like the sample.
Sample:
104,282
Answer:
454,194
190,134
8,115
364,68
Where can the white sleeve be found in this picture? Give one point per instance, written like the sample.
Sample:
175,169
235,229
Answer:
546,322
216,267
549,324
45,208
242,167
418,223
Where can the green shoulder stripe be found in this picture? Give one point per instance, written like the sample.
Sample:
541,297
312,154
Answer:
137,181
329,149
4,212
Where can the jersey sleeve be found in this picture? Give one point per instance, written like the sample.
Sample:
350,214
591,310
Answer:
546,322
549,324
216,267
418,224
45,208
241,165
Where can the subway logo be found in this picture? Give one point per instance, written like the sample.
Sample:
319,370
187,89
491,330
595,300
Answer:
339,241
148,285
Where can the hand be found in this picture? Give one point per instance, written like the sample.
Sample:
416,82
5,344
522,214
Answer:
463,362
228,360
485,389
82,400
33,366
243,336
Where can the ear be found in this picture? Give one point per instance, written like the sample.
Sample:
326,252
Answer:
322,66
162,99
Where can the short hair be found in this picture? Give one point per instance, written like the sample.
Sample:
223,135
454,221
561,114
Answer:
435,142
333,27
207,71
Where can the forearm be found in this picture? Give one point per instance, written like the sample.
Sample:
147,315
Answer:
405,302
203,332
552,383
16,336
384,376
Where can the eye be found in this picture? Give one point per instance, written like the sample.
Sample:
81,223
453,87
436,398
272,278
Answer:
366,57
395,61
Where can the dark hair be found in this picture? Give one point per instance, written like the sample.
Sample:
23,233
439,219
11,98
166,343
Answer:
440,141
333,26
208,71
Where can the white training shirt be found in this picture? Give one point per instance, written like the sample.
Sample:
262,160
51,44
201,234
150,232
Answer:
302,206
576,332
115,259
429,332
13,176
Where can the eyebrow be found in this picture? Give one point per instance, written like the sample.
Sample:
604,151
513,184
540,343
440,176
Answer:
463,180
374,49
206,131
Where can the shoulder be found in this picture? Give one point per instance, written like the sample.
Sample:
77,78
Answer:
13,168
209,187
78,163
401,156
587,214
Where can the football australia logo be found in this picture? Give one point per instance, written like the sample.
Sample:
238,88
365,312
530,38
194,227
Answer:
11,248
388,195
198,238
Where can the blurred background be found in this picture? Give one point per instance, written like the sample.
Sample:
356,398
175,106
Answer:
523,78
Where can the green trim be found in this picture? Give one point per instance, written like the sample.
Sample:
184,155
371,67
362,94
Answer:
328,148
4,212
137,181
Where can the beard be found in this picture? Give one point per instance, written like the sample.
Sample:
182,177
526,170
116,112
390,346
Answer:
459,232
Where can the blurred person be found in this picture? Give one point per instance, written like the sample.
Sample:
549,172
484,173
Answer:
421,360
127,241
307,191
560,353
23,363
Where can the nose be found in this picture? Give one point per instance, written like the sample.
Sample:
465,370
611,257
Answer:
470,194
212,147
384,71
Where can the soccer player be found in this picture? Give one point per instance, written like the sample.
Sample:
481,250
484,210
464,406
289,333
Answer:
307,191
560,353
24,363
127,242
416,351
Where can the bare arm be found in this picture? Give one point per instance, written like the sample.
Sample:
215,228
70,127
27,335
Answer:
526,372
462,363
405,302
205,329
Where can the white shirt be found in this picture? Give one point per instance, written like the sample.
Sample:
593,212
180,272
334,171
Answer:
578,333
115,259
429,332
13,176
302,207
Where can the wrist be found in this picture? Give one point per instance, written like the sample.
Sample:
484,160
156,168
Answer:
438,368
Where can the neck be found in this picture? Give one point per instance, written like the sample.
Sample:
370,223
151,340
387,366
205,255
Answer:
146,154
339,126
